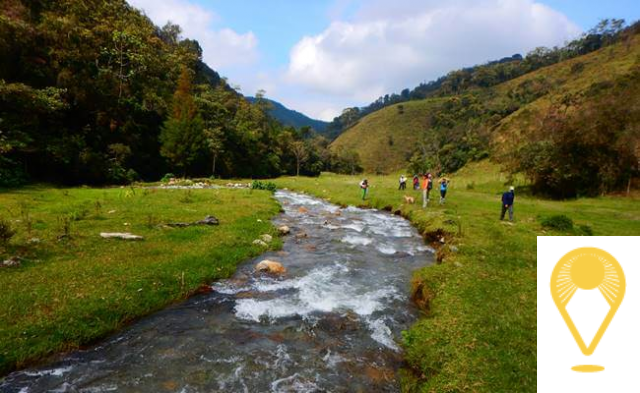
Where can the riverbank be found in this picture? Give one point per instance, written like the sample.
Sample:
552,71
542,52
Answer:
478,331
73,287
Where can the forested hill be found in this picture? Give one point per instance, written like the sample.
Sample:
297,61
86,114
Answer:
93,92
290,117
571,127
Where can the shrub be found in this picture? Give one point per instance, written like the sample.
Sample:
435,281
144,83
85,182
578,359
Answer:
266,185
584,230
166,177
558,222
6,232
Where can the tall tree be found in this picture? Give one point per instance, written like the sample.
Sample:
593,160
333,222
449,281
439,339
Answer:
182,135
300,152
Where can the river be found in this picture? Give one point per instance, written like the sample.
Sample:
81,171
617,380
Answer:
332,323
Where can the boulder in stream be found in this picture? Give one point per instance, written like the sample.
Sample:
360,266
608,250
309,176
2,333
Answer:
303,209
272,267
284,230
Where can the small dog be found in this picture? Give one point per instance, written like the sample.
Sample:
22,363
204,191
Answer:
408,199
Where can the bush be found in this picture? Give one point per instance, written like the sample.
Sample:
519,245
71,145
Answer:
266,185
584,230
558,222
11,174
167,177
6,232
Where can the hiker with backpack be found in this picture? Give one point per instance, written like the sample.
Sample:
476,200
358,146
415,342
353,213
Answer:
403,183
364,186
444,185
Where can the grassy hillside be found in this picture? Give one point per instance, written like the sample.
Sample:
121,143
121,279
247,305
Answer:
478,330
386,139
71,290
574,76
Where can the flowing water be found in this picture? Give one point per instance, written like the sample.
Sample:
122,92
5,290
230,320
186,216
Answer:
332,323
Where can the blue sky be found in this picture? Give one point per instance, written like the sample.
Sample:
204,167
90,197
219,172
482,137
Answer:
320,56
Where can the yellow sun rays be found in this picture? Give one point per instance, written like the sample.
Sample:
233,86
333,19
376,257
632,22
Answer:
610,286
565,286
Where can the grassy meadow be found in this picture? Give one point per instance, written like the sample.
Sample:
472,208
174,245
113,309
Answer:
478,331
72,291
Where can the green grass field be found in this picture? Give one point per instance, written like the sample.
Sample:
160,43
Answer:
71,292
478,332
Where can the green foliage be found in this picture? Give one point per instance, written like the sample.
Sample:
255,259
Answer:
6,231
263,185
587,144
167,177
585,230
558,222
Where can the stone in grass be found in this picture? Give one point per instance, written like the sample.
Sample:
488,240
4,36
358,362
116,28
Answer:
266,238
272,267
259,242
11,262
120,235
208,220
284,230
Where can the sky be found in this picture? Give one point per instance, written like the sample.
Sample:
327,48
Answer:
321,56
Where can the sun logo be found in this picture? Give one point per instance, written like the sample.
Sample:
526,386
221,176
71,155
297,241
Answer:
587,269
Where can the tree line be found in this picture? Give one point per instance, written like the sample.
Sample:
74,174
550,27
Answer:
605,33
92,92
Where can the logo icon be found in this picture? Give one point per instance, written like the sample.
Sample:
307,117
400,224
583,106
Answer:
585,269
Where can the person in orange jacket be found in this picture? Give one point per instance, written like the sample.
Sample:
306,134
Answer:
426,186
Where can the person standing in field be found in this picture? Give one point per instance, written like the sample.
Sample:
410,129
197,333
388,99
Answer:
507,203
364,185
426,187
416,182
403,183
444,185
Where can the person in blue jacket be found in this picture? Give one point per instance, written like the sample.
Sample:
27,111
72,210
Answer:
507,203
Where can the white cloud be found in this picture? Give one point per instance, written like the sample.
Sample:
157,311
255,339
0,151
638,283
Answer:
222,48
390,45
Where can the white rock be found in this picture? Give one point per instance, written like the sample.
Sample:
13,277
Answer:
284,230
266,238
259,242
271,267
120,235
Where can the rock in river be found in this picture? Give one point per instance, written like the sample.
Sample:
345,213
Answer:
272,267
284,230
